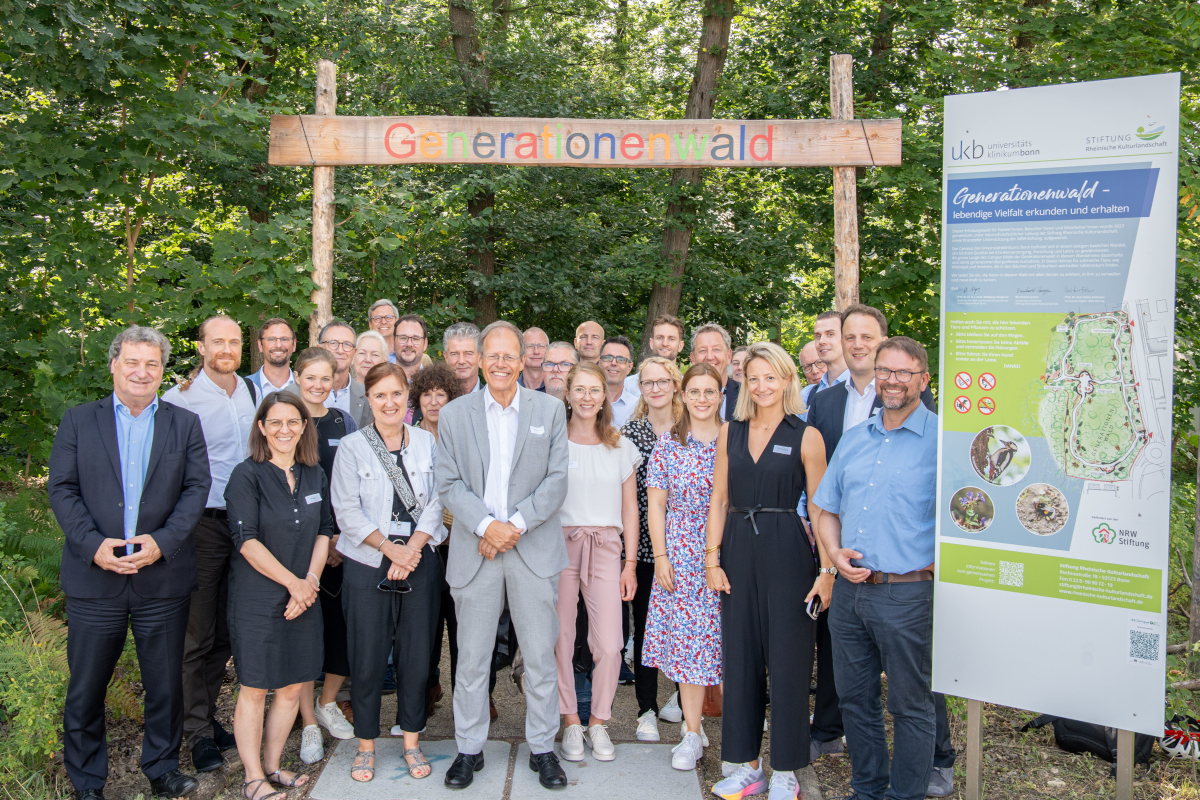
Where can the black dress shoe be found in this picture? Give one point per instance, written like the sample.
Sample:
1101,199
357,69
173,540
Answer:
206,756
223,738
174,784
90,794
463,770
550,772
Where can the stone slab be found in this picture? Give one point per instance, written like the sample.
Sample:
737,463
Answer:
391,776
639,770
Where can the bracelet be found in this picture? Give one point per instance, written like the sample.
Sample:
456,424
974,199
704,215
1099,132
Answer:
828,571
631,561
315,575
714,566
711,549
379,547
664,555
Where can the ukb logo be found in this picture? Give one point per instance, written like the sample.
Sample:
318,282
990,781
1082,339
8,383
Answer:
967,152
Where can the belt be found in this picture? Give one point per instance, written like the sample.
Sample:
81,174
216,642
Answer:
750,512
215,513
915,576
592,538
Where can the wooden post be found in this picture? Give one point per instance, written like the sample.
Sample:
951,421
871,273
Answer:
322,224
974,750
845,191
1124,765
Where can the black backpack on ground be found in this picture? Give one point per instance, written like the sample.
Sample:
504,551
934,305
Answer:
1085,737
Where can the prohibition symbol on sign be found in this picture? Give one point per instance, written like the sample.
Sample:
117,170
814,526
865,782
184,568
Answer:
987,381
986,405
963,380
962,404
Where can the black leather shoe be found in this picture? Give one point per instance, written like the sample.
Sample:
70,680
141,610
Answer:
463,770
550,772
206,756
90,794
175,784
222,737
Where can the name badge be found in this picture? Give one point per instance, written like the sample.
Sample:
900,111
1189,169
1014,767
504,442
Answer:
783,450
312,498
537,430
400,530
573,465
334,442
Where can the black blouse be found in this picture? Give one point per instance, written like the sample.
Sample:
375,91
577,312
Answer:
641,433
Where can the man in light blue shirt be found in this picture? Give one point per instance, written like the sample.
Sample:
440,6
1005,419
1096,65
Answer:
135,434
878,497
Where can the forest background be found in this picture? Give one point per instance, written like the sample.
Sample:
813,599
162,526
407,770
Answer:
134,188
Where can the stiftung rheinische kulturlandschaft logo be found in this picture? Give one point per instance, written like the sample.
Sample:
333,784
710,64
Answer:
1149,134
1103,534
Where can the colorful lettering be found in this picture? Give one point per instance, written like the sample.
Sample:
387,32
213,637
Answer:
450,144
666,140
434,140
387,141
768,139
490,143
631,139
530,145
682,149
726,145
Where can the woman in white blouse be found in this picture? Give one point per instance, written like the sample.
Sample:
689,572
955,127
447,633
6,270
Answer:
390,518
600,510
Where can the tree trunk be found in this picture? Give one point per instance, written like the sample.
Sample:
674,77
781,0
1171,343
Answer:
686,182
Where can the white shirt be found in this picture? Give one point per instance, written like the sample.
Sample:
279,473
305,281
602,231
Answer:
858,407
339,399
633,384
226,423
502,441
268,387
623,408
595,475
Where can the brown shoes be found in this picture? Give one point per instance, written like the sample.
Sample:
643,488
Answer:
347,711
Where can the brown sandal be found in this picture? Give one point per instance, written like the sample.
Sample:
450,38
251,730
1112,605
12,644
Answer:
364,761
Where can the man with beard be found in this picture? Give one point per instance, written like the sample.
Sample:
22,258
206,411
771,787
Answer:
616,359
878,496
560,357
224,403
460,344
409,341
338,338
276,342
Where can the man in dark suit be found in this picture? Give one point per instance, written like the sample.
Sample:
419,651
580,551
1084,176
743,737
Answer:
128,482
712,345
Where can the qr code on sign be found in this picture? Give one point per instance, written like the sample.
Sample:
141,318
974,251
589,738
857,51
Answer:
1012,573
1143,646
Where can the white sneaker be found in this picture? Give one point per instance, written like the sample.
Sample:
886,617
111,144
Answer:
572,743
602,746
703,736
312,748
629,651
685,754
331,718
671,712
648,728
783,785
728,768
398,731
742,783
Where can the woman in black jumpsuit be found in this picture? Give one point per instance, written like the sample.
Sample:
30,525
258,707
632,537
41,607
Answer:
766,569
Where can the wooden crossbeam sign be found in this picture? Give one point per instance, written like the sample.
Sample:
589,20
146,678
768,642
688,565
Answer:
331,141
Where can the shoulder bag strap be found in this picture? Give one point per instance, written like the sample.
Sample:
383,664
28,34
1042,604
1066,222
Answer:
395,474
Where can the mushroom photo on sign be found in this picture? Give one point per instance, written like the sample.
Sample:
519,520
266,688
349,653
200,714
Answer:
1000,455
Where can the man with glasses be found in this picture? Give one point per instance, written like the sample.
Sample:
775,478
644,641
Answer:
712,345
813,368
381,318
460,345
616,359
560,357
408,344
338,338
536,342
589,337
276,342
878,496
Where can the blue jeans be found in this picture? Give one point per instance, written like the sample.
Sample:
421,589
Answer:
885,628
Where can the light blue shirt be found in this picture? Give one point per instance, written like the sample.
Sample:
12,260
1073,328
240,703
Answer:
883,485
135,435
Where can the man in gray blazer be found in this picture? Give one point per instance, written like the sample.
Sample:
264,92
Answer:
502,473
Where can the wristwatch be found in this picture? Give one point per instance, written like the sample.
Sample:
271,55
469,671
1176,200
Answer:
828,571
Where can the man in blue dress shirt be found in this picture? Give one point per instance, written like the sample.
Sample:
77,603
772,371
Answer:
879,494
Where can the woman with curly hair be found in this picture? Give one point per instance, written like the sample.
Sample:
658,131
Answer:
430,389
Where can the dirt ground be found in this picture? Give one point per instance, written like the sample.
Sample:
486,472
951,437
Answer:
1042,509
1017,766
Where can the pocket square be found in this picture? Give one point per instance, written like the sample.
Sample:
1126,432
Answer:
537,430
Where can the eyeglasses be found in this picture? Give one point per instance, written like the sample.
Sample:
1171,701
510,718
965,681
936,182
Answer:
581,392
394,587
274,340
661,383
383,318
902,375
496,358
398,339
620,360
707,394
276,424
535,347
557,366
330,344
810,365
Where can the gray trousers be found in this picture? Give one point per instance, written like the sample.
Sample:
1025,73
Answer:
533,604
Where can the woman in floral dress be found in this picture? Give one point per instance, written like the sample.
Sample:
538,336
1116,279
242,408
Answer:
683,629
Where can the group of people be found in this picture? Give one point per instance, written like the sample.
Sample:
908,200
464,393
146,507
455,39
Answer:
736,525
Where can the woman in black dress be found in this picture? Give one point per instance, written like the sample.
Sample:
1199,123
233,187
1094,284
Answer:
281,519
766,457
314,370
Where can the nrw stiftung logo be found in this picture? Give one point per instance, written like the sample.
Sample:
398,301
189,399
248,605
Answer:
1151,133
1103,534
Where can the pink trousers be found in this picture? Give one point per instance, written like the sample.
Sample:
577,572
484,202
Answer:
595,567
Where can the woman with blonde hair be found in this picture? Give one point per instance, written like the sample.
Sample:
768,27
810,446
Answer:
369,349
658,409
758,554
599,511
